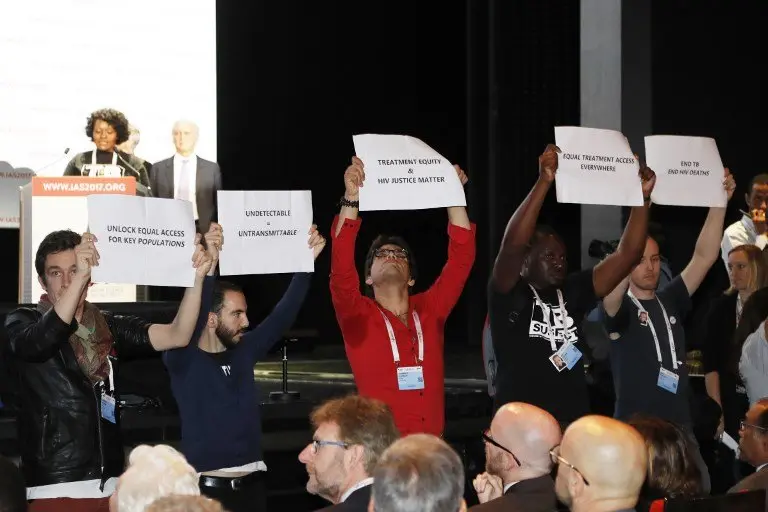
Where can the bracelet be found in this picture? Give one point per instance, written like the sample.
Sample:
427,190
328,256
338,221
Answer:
647,199
346,202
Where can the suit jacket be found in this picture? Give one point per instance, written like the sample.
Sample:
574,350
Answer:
755,481
355,502
207,182
534,495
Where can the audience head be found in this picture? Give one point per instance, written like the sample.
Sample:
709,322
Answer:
134,137
418,473
757,197
55,262
645,275
546,263
672,471
389,261
107,128
518,442
746,269
601,465
350,435
153,472
13,491
228,318
185,134
753,434
178,503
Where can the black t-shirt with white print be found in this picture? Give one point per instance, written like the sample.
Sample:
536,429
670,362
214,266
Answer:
224,359
524,344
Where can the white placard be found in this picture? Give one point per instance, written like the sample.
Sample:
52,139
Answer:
11,180
688,170
403,173
265,231
143,240
596,167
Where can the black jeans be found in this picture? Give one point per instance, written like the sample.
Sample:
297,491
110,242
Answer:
249,493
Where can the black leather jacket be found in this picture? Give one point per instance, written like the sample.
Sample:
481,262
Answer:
63,437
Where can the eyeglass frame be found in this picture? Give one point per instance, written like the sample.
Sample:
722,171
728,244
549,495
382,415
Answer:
318,443
743,424
399,253
488,439
557,459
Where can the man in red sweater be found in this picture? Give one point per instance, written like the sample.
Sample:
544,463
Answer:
394,341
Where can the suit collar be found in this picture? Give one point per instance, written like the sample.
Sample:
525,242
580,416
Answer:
532,484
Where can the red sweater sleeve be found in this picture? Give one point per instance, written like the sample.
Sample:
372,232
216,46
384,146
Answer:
344,282
446,290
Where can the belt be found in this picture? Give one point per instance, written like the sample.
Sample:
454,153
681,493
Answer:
234,484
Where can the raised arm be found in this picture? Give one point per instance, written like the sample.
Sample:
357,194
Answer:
708,245
178,333
520,228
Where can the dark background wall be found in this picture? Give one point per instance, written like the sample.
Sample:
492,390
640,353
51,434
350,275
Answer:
483,82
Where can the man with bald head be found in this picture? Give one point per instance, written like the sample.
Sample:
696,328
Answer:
187,176
517,461
600,465
753,447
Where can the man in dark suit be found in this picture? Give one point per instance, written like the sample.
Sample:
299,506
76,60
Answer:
350,435
187,176
753,447
517,461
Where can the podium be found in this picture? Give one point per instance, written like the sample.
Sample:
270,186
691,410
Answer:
53,203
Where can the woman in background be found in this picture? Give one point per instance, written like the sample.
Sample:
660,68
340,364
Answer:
107,128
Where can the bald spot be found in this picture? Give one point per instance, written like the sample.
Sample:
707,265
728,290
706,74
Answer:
528,431
609,453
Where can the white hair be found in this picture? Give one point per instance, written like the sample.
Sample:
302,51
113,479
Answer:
154,472
194,126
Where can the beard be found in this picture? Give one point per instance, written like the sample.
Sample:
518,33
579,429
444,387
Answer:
227,336
493,465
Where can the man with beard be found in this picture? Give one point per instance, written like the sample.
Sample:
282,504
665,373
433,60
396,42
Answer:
648,349
517,461
536,307
350,435
212,381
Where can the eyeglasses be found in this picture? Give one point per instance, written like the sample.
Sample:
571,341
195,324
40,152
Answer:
399,254
488,439
317,443
554,454
743,426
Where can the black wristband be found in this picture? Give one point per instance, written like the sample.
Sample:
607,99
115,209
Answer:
346,202
647,199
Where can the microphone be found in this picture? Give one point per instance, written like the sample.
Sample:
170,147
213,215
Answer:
66,150
138,174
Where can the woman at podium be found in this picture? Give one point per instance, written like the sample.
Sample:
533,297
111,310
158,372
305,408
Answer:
107,128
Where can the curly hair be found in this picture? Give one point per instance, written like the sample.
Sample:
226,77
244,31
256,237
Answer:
112,117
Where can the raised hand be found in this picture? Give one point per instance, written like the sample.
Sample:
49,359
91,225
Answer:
488,487
461,174
548,163
354,177
730,186
214,241
316,240
86,255
201,260
648,180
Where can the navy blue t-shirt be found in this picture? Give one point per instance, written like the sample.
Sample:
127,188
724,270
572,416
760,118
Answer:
218,398
634,360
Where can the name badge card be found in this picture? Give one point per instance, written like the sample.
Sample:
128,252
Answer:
410,378
108,408
668,380
688,170
596,167
566,357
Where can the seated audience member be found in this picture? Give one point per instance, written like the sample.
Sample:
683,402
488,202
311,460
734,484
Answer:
751,228
350,435
672,471
418,473
753,447
67,421
753,363
517,461
153,472
13,493
601,465
178,503
747,272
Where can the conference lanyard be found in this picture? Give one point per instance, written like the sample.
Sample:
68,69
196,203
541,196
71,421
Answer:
545,311
93,158
653,329
739,308
393,340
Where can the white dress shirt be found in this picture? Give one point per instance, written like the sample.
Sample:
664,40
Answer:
192,169
506,487
739,233
753,365
359,485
